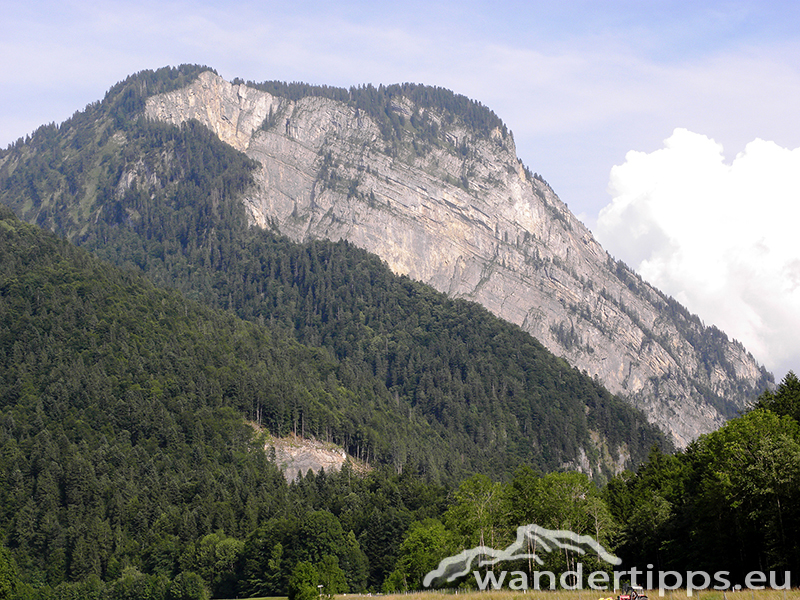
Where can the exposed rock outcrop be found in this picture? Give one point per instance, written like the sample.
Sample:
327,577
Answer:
465,216
295,456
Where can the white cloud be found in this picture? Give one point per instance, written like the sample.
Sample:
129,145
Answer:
720,237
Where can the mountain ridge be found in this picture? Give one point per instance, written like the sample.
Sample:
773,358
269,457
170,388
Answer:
165,200
463,214
106,349
128,412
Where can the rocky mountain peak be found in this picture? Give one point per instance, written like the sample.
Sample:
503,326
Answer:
450,204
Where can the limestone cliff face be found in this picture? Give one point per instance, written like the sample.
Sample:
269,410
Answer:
464,216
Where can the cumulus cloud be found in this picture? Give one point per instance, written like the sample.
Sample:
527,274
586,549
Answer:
720,237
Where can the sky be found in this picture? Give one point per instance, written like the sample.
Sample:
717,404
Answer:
668,127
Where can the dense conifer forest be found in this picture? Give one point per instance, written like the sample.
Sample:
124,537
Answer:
130,466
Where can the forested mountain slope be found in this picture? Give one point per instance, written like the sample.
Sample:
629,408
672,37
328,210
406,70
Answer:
126,462
82,341
122,437
165,199
127,468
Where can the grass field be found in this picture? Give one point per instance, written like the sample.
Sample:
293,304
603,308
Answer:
575,595
594,595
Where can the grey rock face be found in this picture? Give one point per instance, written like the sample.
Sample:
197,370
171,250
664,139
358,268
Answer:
295,456
465,217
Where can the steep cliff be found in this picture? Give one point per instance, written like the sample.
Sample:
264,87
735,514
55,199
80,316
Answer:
461,213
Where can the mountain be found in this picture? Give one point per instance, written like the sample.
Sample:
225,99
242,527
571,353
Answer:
127,462
95,351
405,375
423,178
145,344
431,183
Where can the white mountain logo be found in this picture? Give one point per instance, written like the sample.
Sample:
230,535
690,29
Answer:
528,537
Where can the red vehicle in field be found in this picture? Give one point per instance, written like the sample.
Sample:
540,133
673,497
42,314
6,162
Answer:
631,594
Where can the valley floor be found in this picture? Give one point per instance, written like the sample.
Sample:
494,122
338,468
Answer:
595,595
575,595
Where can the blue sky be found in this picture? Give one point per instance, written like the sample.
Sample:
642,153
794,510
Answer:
580,83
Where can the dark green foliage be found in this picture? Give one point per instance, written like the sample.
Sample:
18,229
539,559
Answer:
187,586
785,400
123,452
8,575
62,190
132,584
303,582
503,395
380,104
728,503
424,545
94,316
125,101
